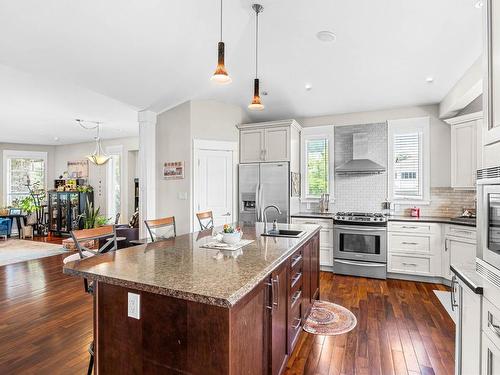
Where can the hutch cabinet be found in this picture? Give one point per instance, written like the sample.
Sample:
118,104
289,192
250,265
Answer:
65,208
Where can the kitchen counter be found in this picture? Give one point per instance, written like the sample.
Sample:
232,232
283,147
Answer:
467,273
181,268
315,215
470,222
174,307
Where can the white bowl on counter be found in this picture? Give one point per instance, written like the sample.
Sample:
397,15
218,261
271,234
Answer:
231,238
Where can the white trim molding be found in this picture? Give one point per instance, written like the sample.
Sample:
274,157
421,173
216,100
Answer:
420,125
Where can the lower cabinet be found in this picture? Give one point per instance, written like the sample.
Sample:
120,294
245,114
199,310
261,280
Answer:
468,329
459,247
326,237
490,357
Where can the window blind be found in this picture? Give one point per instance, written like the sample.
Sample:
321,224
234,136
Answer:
317,166
408,166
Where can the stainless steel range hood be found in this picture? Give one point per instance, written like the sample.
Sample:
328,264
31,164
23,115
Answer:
360,164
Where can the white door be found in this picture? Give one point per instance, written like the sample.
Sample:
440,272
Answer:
214,185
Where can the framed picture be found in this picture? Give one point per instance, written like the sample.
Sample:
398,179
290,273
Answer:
173,170
295,182
78,169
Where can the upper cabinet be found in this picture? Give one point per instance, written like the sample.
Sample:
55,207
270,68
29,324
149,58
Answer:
492,74
270,142
465,149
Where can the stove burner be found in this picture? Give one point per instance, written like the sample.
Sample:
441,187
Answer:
361,217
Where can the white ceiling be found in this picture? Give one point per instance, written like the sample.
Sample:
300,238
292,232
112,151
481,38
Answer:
156,54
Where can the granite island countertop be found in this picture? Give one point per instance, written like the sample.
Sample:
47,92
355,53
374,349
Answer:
181,268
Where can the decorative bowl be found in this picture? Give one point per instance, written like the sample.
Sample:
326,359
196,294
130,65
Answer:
231,238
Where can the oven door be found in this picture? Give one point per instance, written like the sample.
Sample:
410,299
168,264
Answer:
365,243
489,224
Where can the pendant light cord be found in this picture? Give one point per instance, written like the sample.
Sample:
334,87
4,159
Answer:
221,20
256,43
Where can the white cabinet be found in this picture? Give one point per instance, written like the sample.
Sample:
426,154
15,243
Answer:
465,148
459,247
269,141
414,248
490,357
251,146
468,329
325,238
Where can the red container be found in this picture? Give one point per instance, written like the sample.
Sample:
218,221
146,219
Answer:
415,212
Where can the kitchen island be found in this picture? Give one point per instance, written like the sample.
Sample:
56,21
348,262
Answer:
202,311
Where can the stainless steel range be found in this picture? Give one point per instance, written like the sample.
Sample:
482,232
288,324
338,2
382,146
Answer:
360,244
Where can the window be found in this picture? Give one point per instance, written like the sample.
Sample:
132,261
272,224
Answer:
409,156
317,147
19,167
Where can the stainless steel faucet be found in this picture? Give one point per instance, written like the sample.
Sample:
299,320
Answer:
264,213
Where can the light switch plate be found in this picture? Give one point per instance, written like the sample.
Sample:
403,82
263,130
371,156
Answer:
134,306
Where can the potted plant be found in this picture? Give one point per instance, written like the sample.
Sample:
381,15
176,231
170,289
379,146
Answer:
28,206
92,218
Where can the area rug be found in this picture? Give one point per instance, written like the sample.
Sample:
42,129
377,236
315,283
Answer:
445,299
329,319
14,251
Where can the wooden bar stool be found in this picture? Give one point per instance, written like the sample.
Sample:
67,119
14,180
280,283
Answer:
206,220
161,229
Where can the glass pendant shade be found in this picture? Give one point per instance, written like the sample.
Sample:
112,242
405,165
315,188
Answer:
256,104
98,157
220,75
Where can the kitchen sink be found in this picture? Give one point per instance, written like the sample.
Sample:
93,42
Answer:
284,233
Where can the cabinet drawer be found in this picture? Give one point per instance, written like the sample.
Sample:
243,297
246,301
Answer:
407,243
325,257
326,238
294,326
460,231
325,223
491,321
296,261
409,264
409,227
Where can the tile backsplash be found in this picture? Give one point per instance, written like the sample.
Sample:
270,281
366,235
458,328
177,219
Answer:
445,202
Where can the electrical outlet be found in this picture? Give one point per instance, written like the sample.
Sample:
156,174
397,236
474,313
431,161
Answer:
134,306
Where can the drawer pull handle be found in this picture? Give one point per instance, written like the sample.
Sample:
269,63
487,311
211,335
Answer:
296,260
409,264
409,243
296,278
494,327
407,227
296,326
296,297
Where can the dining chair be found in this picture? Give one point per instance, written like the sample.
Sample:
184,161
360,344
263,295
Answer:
206,220
106,238
117,218
161,228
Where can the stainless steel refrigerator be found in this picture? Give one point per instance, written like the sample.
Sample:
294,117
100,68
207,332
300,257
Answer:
260,185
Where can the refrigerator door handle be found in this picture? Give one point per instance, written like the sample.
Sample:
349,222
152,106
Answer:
257,202
261,208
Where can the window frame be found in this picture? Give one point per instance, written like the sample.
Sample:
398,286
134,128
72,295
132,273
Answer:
316,132
20,154
420,125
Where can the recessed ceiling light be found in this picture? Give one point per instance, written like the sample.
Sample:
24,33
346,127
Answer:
429,79
326,36
479,4
56,139
308,87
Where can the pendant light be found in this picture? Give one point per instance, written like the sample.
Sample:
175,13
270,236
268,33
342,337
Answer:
98,157
220,75
256,104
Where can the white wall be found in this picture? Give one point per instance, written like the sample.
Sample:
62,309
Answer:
175,130
97,174
440,133
50,150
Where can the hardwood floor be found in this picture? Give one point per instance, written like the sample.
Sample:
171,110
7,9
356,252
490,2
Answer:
402,329
46,326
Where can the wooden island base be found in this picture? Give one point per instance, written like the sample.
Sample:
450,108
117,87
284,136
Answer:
177,336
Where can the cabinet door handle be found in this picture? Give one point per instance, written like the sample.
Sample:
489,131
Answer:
296,278
296,297
452,294
494,327
277,283
296,260
489,363
271,286
446,245
296,326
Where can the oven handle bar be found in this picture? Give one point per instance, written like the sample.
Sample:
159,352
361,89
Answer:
360,228
364,264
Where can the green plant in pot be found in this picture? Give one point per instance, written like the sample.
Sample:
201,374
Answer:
92,218
28,206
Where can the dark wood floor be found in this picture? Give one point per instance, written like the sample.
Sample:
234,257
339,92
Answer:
46,326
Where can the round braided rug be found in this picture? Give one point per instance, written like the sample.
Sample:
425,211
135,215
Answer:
329,319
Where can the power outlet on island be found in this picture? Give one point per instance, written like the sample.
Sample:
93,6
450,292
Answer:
134,306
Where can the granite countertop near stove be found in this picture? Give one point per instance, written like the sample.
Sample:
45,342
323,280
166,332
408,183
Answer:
471,222
467,273
181,268
315,215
